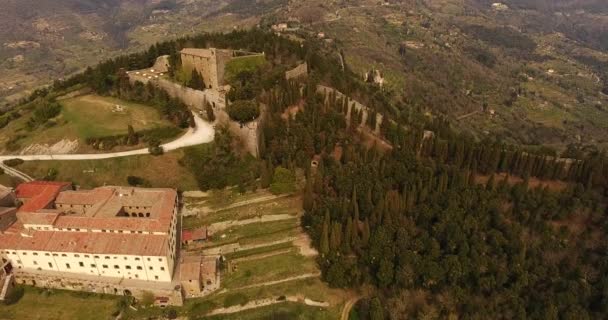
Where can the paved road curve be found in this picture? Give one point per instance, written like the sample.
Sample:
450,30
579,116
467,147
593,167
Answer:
203,132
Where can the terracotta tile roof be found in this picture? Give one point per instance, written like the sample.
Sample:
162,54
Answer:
82,197
87,242
42,218
39,194
6,210
194,234
120,223
103,205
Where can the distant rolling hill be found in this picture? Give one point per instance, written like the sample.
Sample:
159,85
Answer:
41,40
527,71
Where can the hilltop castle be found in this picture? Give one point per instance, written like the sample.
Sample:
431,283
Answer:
211,65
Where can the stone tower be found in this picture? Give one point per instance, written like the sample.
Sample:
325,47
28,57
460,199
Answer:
210,63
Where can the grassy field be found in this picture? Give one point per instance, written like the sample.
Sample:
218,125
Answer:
159,171
94,116
257,271
59,305
257,232
245,63
84,117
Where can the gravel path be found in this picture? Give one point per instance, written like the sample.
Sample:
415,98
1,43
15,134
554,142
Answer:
203,132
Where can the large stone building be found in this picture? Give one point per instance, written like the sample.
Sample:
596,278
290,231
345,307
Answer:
210,63
97,238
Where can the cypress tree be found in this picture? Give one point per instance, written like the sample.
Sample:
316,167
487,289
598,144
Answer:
347,236
335,237
132,138
264,175
324,245
308,198
365,234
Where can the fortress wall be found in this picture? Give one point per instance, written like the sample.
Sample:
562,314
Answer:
358,106
248,133
221,59
194,99
300,71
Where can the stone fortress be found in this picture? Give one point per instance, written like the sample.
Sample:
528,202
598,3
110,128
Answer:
211,64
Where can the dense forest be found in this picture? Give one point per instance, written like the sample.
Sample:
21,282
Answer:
415,223
433,222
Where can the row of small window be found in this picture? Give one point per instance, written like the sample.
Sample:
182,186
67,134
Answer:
105,266
86,230
78,256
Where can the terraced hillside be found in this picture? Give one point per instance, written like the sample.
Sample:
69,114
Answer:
270,267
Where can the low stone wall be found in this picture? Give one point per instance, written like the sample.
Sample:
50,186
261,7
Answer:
114,286
300,71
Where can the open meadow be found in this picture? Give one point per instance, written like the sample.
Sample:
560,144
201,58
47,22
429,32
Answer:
80,118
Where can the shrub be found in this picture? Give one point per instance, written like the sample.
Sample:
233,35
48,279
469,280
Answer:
51,175
135,181
13,162
283,181
147,298
202,307
235,299
243,110
172,314
209,112
15,295
43,112
155,148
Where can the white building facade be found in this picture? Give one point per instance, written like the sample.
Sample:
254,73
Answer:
112,232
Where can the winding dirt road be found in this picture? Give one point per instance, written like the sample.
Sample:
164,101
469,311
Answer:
203,132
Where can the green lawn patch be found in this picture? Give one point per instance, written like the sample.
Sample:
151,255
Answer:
243,64
258,232
157,171
269,269
57,304
261,250
97,116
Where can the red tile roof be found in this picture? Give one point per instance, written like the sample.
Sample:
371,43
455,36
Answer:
194,234
87,242
103,205
39,194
